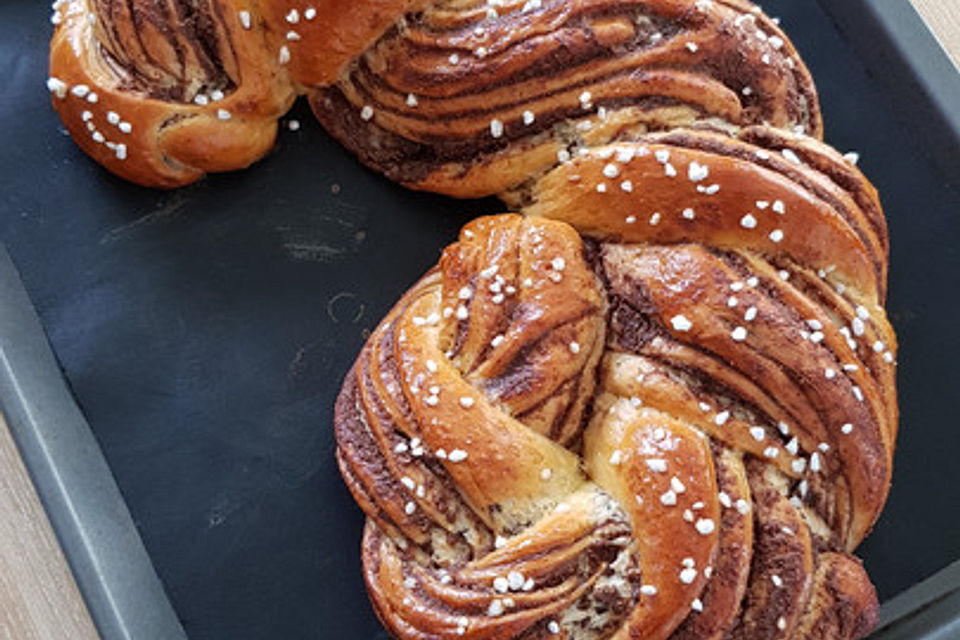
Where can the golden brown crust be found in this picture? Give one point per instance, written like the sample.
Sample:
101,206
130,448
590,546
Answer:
743,416
513,303
659,405
135,113
468,99
736,443
668,544
462,98
332,34
724,592
707,187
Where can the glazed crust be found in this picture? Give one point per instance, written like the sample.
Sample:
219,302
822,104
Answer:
636,413
338,33
126,85
470,101
459,98
661,402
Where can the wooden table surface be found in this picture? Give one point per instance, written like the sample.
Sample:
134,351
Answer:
38,597
943,18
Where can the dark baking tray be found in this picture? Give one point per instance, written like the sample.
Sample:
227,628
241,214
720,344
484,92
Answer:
87,512
204,332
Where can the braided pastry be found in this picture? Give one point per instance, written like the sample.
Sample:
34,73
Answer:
462,97
661,402
678,422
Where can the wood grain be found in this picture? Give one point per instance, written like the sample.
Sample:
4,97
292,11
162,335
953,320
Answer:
39,599
943,18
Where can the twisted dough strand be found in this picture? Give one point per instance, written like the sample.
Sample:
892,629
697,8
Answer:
460,96
438,494
161,92
497,94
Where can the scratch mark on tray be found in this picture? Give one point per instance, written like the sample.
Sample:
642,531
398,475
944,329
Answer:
340,306
321,238
124,231
298,364
220,511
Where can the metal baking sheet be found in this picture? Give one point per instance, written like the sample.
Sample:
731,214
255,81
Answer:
91,520
204,332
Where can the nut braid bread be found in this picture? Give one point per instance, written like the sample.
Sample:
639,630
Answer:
660,403
462,97
666,411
